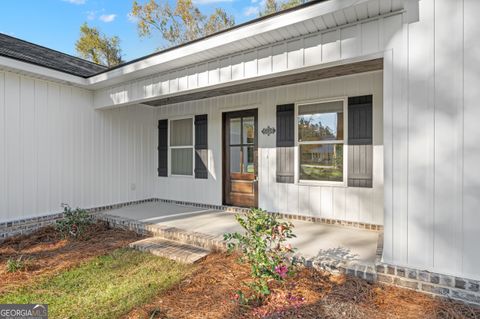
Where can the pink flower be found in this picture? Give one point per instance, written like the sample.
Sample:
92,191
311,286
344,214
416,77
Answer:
281,270
288,246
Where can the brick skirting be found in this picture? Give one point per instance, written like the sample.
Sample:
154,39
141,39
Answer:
28,225
452,287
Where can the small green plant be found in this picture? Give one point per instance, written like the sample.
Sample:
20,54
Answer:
74,223
14,265
264,247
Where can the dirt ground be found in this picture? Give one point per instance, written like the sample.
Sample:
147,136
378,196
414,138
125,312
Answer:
45,253
209,291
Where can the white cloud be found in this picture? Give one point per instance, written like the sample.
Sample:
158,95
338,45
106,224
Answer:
76,1
210,1
107,17
132,18
250,11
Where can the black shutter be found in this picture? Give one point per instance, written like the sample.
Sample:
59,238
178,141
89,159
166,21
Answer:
163,148
360,141
285,143
201,146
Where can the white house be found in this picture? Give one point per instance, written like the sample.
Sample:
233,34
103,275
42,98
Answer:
361,111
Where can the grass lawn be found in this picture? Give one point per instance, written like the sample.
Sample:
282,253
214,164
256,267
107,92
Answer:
105,287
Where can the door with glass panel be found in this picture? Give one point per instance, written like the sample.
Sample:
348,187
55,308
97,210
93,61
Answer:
240,171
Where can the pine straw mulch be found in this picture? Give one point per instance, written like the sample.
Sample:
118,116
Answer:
45,253
208,292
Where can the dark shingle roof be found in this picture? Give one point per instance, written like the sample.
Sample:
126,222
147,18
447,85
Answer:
31,53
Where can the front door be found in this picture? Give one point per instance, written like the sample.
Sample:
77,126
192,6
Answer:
240,186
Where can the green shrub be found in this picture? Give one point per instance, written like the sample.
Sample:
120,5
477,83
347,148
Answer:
14,265
74,223
263,246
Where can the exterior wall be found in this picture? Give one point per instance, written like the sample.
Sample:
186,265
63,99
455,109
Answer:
344,203
432,182
349,41
55,148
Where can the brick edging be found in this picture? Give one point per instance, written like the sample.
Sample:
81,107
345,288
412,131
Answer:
29,225
458,288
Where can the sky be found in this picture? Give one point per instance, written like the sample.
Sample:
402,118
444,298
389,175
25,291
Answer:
56,23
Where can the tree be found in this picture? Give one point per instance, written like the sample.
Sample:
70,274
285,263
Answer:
272,6
179,24
97,47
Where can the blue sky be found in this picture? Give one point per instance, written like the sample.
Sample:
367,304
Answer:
56,23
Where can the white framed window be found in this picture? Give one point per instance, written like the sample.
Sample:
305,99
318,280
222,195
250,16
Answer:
321,130
181,147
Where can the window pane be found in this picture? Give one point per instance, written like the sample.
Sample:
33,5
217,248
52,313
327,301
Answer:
248,159
182,161
248,130
321,162
235,159
181,132
320,122
235,130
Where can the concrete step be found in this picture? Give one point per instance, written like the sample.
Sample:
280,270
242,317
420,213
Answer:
170,249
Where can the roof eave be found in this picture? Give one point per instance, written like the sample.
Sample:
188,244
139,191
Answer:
153,64
17,66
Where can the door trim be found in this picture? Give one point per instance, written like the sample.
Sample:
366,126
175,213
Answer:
225,167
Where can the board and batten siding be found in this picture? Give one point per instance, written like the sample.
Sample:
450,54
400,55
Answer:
346,203
56,148
432,139
352,40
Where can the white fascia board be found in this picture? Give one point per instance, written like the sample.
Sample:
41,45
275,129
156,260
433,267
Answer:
43,72
263,26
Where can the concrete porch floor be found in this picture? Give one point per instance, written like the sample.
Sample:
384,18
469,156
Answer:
314,240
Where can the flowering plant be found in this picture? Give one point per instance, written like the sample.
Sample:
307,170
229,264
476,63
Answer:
263,246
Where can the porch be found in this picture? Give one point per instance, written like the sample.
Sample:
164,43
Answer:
318,243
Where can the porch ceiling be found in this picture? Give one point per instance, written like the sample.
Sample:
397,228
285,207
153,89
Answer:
324,73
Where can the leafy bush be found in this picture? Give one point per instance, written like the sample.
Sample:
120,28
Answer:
263,246
74,223
14,265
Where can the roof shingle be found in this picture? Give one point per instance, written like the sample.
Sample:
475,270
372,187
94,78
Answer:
18,49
